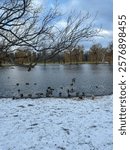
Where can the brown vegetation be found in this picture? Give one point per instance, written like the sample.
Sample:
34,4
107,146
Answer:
22,25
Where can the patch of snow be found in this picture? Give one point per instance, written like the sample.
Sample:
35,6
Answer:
56,124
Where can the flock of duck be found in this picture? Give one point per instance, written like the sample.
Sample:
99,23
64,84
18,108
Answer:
49,92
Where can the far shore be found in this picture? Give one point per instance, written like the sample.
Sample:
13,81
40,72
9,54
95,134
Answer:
73,63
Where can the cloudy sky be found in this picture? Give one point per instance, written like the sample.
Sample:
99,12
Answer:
103,9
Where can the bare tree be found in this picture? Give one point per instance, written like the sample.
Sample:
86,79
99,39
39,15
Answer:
74,55
95,53
99,54
78,28
22,25
109,50
11,15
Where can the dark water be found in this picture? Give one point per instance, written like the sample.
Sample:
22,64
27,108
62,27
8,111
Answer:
90,79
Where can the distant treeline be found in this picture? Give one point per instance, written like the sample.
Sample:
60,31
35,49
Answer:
96,54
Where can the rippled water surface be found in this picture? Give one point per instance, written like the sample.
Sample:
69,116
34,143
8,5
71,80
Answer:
90,79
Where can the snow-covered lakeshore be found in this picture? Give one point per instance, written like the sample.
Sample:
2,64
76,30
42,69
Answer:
56,124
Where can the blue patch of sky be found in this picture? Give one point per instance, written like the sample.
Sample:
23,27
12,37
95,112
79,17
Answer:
103,8
104,18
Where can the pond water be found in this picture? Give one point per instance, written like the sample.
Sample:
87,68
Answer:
90,79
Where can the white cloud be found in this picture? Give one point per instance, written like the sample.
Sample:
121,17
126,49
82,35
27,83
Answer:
70,5
61,24
104,16
38,3
106,33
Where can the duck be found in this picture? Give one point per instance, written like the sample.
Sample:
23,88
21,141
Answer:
29,95
73,80
13,97
49,92
71,84
83,94
60,94
68,91
69,95
17,84
93,97
72,90
80,97
21,95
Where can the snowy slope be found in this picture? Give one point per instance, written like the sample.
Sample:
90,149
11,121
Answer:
56,124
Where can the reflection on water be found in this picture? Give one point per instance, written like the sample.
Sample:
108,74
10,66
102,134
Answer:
90,79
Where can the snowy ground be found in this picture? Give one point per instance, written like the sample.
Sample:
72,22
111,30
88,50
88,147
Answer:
56,124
